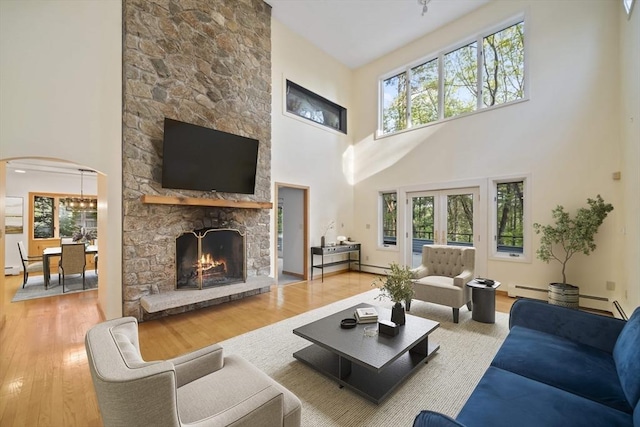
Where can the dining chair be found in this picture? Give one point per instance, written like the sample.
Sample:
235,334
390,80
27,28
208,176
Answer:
30,264
72,261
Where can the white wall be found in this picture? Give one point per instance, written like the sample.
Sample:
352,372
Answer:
60,98
630,129
19,185
566,136
306,154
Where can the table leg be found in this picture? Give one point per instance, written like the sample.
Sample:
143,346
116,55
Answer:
344,367
45,270
422,347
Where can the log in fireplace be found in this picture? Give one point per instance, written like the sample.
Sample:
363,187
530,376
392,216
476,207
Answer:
210,257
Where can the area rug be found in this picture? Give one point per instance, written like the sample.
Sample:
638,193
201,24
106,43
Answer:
35,286
443,385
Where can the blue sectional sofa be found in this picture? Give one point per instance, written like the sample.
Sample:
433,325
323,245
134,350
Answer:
557,367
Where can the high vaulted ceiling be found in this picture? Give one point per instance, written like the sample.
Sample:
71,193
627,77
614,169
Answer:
356,32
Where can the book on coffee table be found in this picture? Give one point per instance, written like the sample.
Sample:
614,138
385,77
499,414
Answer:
366,315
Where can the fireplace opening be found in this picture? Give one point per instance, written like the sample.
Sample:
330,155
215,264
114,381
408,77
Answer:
210,257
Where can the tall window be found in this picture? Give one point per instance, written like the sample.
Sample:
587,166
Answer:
456,82
510,226
389,208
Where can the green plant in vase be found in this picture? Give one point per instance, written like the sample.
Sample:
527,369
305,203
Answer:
397,285
570,236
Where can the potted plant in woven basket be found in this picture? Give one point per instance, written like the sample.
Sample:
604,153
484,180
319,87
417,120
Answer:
566,238
397,285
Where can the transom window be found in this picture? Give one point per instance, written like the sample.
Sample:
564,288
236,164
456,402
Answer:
456,82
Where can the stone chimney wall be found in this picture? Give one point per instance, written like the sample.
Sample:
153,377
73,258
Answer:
206,62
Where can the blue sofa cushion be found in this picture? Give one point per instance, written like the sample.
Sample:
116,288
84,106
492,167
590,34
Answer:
626,355
576,368
587,328
503,398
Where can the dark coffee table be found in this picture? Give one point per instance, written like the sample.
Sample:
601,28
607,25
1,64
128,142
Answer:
371,366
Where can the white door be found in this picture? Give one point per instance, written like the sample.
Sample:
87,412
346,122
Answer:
443,217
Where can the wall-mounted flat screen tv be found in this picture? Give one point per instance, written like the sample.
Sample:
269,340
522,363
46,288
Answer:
199,158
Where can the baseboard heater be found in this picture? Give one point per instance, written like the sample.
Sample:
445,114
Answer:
587,301
374,269
11,270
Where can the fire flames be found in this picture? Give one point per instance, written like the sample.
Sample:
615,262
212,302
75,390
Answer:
207,265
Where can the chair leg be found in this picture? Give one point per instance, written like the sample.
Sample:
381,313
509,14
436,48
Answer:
25,277
456,315
83,288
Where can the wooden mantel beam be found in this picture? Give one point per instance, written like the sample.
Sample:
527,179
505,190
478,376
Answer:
196,201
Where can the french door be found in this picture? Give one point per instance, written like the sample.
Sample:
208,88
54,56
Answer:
443,217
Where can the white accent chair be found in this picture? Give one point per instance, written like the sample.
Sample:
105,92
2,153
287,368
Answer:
30,264
201,388
443,276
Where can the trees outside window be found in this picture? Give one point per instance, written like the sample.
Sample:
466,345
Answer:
456,82
503,66
394,111
509,214
424,93
389,208
57,216
461,80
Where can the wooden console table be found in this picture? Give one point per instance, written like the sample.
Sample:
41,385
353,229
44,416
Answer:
323,251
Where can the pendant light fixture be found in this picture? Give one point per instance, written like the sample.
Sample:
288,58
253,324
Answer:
81,203
424,4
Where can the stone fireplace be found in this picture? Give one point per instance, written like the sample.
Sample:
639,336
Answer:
208,258
207,63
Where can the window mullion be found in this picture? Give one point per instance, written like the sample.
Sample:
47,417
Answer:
480,55
408,118
441,86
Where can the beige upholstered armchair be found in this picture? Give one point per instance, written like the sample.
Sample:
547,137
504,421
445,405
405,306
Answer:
201,388
443,276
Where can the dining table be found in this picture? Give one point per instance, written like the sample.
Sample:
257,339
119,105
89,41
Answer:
56,251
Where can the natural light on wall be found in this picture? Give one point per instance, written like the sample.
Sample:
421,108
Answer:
628,6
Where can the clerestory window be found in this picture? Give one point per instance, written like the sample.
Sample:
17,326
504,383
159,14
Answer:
481,73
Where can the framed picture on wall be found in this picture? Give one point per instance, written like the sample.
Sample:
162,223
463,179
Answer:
13,216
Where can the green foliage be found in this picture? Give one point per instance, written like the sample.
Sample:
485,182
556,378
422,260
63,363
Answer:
397,285
569,236
510,209
43,217
502,72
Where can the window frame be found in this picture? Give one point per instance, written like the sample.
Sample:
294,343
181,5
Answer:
527,231
478,38
57,197
342,111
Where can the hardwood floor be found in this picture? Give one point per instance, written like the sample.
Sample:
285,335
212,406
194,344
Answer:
44,377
